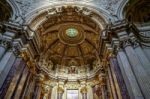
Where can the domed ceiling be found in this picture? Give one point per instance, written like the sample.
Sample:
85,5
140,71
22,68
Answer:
5,10
70,38
137,11
65,39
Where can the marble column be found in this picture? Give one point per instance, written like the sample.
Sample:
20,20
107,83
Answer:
27,87
11,74
112,84
5,65
84,95
103,83
38,86
84,92
30,90
142,57
3,46
50,93
128,75
38,90
110,96
2,51
60,92
46,90
119,82
15,80
21,85
138,69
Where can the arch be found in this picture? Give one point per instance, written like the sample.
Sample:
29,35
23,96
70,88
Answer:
120,12
17,16
101,12
6,11
137,11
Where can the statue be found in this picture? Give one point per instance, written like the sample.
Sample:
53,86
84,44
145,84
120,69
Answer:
47,64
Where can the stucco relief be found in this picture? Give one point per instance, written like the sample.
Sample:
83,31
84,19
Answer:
29,5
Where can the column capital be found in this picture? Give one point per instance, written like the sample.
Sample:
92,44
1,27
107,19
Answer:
126,42
60,90
5,43
129,42
24,55
45,90
39,79
83,90
135,42
102,79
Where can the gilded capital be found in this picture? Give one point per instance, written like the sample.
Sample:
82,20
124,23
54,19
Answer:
40,78
24,55
46,89
60,90
83,90
102,79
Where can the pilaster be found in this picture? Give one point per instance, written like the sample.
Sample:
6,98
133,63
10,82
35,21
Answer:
102,79
140,54
38,86
84,92
138,69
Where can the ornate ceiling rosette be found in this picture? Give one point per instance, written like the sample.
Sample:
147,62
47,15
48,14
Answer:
71,34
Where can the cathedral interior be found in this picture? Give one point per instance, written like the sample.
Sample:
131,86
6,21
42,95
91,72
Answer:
74,49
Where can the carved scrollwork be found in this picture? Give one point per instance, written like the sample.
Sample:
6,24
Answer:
5,43
83,90
125,43
40,78
135,43
15,49
60,90
46,64
102,79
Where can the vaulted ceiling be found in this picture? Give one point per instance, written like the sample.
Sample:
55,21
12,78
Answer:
64,35
70,38
5,11
137,11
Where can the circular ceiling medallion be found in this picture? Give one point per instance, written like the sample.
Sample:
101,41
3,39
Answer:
71,34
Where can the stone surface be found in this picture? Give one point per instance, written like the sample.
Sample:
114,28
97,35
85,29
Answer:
5,66
130,80
29,5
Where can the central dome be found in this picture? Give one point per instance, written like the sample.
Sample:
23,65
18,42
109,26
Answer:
69,36
69,41
72,32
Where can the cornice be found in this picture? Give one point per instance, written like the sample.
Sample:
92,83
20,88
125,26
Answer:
55,75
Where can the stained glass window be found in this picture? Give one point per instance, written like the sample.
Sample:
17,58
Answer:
72,32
